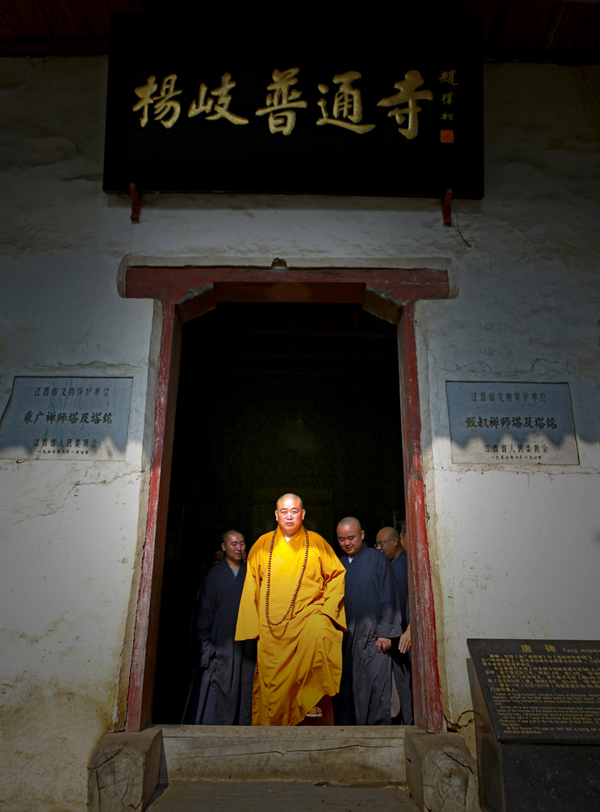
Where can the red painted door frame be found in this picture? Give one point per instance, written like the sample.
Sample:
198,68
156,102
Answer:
186,293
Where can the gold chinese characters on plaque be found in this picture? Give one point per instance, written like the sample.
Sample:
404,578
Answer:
343,108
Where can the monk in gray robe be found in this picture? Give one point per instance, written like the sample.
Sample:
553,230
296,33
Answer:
223,694
374,622
393,545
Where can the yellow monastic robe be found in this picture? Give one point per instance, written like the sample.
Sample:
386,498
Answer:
300,661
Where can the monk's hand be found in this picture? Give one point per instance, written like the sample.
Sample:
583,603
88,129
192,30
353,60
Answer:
383,644
405,641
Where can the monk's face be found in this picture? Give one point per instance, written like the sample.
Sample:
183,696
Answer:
289,515
388,544
350,538
234,548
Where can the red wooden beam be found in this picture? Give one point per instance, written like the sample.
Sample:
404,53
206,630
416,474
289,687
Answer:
426,680
179,284
290,291
447,208
136,203
141,681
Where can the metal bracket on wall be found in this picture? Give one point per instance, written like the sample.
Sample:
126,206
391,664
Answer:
136,203
447,208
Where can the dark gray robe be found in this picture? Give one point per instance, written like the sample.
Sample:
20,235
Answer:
372,611
223,694
402,662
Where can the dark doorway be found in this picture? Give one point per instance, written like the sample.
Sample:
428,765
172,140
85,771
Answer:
273,397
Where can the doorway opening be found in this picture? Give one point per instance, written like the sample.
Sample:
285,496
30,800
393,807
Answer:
273,397
186,293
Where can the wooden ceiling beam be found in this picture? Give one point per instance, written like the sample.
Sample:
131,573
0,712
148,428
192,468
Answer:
564,31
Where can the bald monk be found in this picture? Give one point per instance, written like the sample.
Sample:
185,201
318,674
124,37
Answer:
393,545
293,602
374,626
226,669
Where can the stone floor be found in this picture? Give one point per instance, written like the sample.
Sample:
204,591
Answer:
277,796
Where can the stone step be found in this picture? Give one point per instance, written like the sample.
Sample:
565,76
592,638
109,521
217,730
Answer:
130,770
335,755
276,796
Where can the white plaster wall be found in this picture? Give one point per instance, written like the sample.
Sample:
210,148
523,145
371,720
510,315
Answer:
516,552
68,530
513,553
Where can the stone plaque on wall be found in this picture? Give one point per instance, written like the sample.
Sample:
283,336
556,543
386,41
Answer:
511,423
52,418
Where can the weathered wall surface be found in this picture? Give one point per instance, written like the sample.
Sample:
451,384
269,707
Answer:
514,553
69,530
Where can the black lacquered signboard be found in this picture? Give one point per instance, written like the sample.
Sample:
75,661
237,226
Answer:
540,690
353,107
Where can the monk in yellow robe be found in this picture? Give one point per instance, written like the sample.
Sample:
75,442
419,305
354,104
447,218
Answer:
293,602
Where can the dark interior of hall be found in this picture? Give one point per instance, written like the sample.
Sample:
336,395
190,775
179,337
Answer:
273,398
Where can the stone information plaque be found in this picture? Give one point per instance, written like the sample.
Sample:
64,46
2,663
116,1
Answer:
503,423
543,690
52,418
537,724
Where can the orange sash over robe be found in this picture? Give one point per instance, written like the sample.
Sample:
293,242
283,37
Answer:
300,661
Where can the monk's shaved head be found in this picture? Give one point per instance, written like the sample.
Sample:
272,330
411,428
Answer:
289,514
228,533
350,536
234,547
389,543
350,520
290,496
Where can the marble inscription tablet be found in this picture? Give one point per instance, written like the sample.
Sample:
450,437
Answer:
56,418
540,690
502,423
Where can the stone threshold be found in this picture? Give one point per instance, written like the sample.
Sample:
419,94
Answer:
336,755
126,768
